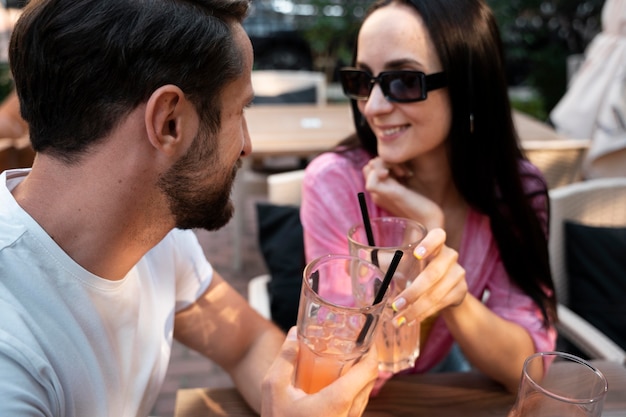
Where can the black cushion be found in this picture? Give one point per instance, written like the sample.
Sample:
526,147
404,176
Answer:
281,242
596,266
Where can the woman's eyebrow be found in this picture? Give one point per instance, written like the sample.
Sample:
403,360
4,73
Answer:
394,64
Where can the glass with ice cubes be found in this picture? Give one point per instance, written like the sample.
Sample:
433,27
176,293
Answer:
337,317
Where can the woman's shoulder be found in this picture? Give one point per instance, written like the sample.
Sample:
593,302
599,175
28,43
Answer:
533,179
338,163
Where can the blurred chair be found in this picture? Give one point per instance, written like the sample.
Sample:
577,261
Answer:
560,161
8,156
16,153
596,203
24,152
286,86
283,189
258,295
272,87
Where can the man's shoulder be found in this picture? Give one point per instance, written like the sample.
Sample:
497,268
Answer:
11,226
11,233
18,343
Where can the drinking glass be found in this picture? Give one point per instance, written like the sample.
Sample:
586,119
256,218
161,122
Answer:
571,387
337,317
398,348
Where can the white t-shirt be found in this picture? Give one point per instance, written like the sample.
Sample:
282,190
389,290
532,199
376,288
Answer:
76,345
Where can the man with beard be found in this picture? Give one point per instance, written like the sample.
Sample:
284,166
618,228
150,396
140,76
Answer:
136,111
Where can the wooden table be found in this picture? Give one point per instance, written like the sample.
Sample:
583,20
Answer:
531,129
307,129
440,395
297,129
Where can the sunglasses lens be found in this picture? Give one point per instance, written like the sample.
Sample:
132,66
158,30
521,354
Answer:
402,86
356,84
398,86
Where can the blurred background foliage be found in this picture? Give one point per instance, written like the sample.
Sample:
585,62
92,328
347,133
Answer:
6,81
538,36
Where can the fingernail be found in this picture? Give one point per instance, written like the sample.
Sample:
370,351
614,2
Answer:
399,321
292,334
398,304
419,252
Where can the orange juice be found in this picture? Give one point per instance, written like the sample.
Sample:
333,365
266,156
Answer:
338,315
316,371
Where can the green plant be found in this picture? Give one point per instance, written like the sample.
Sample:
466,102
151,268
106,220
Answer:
538,35
6,81
533,106
331,32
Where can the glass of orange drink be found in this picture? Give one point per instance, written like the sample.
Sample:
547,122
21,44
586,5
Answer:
337,318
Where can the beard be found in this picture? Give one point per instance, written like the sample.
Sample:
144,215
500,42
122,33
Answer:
199,197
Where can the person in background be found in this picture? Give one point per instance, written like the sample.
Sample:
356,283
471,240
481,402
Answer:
435,142
136,110
594,105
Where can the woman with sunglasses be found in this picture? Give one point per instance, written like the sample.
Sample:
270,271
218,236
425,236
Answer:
435,142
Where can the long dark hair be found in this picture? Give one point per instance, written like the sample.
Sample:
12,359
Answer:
483,145
80,65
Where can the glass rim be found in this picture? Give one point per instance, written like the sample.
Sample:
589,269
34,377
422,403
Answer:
408,246
325,258
572,358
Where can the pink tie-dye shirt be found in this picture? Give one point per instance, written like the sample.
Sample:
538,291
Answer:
330,206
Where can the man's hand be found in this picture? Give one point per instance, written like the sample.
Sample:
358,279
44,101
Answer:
347,396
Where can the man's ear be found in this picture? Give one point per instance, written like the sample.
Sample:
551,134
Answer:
167,119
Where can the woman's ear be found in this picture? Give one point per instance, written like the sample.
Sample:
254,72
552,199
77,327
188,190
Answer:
167,119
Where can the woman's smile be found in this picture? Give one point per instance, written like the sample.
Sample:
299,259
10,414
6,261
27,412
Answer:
390,133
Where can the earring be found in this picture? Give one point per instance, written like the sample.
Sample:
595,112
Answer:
471,122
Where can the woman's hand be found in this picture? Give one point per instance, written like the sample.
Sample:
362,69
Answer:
386,184
439,286
347,396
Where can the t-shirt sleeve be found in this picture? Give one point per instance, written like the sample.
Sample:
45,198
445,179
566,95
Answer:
193,271
28,385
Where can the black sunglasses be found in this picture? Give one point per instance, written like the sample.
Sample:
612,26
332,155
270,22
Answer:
399,86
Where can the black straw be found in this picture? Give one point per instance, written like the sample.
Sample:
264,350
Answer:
380,294
368,227
366,220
